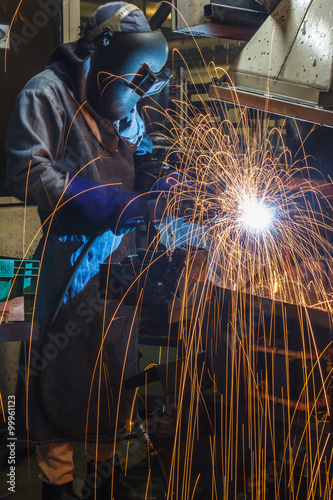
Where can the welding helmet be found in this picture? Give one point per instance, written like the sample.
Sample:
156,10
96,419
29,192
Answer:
128,60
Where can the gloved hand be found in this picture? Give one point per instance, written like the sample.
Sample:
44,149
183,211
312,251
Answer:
169,184
172,190
199,204
105,206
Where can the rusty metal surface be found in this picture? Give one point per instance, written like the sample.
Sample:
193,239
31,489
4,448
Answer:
273,105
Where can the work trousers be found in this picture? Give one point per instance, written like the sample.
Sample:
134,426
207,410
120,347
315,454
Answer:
56,460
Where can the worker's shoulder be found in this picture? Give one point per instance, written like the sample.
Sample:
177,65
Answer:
46,83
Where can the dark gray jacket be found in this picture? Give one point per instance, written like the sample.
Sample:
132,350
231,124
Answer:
77,367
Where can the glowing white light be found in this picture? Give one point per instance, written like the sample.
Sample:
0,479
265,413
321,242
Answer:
255,215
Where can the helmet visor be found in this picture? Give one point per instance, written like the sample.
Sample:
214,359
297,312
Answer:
125,67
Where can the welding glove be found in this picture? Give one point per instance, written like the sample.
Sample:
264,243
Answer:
199,203
169,184
101,206
174,189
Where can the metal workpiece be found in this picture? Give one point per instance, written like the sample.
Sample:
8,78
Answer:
272,104
289,59
165,283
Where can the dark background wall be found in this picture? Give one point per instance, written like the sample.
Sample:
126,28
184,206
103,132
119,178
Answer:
35,32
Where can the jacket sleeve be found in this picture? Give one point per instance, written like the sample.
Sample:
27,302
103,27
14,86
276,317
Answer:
34,150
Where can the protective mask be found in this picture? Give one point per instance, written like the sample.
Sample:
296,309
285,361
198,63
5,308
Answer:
125,67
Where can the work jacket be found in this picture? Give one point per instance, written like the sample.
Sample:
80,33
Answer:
75,371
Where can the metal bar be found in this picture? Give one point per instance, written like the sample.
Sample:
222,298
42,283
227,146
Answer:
290,402
272,105
290,354
182,96
266,306
70,20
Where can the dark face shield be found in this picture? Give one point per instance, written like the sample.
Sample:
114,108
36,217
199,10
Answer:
125,67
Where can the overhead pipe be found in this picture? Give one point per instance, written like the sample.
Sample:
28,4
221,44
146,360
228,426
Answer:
161,15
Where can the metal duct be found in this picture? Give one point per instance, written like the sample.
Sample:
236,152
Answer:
287,66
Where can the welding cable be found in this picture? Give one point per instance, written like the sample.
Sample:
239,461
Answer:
140,432
70,279
50,323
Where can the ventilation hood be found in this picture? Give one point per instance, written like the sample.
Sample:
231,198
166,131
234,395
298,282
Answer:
287,66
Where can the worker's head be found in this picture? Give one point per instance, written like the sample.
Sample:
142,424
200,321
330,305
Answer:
128,59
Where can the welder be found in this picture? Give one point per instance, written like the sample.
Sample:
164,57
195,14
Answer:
75,147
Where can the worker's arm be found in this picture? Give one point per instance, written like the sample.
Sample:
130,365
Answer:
34,142
105,205
37,173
